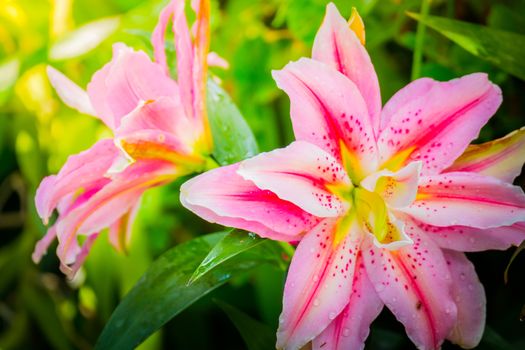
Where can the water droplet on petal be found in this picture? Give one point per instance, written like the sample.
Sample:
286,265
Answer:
346,332
316,302
331,315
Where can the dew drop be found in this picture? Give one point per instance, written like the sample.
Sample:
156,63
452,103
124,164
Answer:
346,332
331,315
316,302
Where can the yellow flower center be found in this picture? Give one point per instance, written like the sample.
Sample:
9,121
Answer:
368,209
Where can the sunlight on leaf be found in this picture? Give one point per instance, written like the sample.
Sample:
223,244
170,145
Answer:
231,245
503,49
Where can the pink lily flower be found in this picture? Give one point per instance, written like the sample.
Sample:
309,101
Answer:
161,133
383,201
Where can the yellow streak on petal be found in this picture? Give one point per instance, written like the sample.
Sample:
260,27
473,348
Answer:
356,24
507,146
151,150
422,196
397,161
351,164
343,226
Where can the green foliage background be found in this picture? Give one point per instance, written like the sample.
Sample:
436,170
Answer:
39,309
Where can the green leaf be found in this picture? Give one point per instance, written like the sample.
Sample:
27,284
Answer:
230,246
232,137
255,334
503,49
162,292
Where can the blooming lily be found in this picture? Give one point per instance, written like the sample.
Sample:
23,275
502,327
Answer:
161,133
383,201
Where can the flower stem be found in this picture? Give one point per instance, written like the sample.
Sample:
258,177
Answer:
420,38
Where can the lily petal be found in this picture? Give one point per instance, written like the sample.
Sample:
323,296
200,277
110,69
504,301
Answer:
399,188
120,231
339,47
72,94
414,283
350,329
184,48
222,196
130,78
300,173
502,158
318,285
158,37
328,110
428,129
43,244
107,205
469,295
467,199
80,257
79,173
471,239
159,130
404,97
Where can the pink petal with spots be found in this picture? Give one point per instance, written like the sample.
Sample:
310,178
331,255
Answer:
107,205
350,329
404,97
469,295
222,196
502,158
414,283
327,109
130,78
72,94
399,188
299,174
318,285
467,199
78,175
437,124
471,239
337,45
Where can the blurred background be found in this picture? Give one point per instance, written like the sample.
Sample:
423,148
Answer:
40,309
